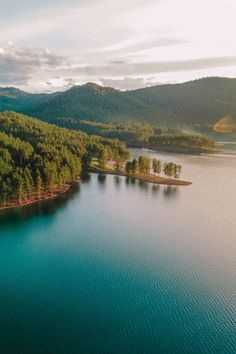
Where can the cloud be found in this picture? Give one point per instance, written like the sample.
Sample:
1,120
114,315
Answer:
125,75
42,69
134,45
18,64
128,83
115,39
121,69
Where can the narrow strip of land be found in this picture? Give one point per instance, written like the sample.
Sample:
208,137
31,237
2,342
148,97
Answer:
56,192
151,178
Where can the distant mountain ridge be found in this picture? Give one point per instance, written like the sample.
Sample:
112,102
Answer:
200,102
12,92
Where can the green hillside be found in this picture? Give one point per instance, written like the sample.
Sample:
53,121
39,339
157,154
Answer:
37,158
200,103
138,134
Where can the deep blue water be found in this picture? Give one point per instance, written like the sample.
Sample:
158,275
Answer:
119,266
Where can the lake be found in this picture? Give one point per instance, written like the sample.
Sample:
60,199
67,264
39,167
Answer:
121,266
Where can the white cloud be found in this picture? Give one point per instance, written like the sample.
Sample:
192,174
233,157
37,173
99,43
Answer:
18,64
128,83
168,39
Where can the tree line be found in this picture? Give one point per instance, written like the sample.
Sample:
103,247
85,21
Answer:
37,157
144,134
146,165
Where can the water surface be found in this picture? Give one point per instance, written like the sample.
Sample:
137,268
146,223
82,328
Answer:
121,266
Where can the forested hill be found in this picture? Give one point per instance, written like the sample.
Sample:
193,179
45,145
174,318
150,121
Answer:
199,102
37,158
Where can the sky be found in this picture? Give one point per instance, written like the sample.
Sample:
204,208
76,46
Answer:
52,45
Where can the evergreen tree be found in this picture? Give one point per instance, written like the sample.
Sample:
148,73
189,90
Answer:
135,166
156,166
37,157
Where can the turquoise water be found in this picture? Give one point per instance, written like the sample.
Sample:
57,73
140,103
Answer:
119,266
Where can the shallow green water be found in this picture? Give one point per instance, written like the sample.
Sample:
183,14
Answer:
118,266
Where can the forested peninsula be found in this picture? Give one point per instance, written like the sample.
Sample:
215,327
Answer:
39,160
140,135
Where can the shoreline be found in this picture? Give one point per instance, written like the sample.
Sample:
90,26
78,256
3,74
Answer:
46,196
145,178
60,191
177,150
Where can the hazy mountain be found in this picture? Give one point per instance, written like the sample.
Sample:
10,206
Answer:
13,99
12,92
202,102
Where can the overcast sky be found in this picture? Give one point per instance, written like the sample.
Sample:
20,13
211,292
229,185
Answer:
54,44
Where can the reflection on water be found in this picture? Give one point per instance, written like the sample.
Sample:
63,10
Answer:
14,216
117,180
131,181
168,191
155,188
102,179
171,191
132,265
85,177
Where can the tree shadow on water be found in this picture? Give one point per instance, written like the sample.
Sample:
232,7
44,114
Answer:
130,181
117,181
102,180
85,177
144,185
133,182
170,191
127,180
155,189
13,217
